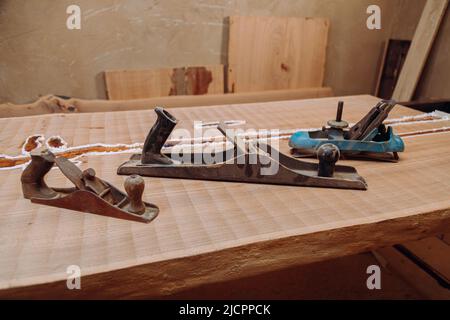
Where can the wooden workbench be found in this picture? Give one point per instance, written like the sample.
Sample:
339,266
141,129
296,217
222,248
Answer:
212,231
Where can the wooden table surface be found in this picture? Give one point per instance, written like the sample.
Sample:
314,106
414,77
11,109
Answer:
212,231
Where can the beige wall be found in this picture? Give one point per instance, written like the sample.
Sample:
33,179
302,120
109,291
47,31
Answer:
38,55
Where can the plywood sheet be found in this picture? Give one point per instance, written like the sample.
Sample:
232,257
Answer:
140,84
212,231
268,53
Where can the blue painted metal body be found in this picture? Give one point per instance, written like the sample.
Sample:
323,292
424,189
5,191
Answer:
374,142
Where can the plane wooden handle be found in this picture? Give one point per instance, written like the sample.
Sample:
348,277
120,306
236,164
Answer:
134,186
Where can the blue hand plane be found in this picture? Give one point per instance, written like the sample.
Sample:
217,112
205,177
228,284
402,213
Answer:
368,138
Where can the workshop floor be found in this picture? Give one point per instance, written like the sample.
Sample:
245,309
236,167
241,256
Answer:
342,278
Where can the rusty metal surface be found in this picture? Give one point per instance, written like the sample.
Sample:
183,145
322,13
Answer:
371,121
90,194
247,163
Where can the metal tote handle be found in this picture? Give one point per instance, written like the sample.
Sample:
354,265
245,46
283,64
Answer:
159,133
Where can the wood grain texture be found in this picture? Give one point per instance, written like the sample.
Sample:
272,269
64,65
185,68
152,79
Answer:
411,273
420,48
434,252
211,231
268,53
141,84
54,104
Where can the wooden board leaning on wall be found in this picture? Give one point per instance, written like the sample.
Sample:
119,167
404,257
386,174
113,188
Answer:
422,42
55,104
269,53
141,84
